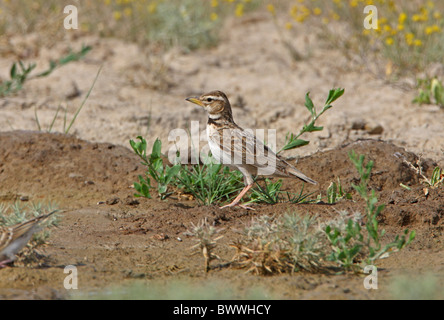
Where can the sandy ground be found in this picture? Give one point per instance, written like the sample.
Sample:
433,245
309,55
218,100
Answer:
140,92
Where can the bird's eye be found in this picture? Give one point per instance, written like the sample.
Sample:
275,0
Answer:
209,99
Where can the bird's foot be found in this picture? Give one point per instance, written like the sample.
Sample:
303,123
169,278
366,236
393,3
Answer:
236,204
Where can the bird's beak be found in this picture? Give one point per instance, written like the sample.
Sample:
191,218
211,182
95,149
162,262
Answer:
195,100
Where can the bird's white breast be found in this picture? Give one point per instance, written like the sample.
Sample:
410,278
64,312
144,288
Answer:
216,149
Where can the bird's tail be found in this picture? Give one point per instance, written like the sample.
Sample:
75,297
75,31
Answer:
295,172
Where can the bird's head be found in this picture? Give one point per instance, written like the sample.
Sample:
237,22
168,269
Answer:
215,102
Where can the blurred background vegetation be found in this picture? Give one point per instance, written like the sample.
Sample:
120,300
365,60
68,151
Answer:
409,37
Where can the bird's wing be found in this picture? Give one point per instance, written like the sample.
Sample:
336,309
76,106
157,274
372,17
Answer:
242,147
23,228
5,237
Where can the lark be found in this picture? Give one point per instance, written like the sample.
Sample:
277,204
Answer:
13,239
238,148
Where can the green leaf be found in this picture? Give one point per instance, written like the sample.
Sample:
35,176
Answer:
332,192
311,127
13,71
309,103
157,147
333,95
295,144
171,172
412,236
162,188
355,250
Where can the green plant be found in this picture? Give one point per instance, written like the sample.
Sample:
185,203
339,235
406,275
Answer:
292,141
271,193
19,76
210,183
162,174
437,178
350,242
431,91
336,193
437,174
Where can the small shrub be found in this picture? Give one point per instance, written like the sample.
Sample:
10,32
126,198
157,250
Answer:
281,244
204,235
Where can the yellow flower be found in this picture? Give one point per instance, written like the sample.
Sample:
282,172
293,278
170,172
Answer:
271,8
409,38
421,17
107,2
239,10
437,15
389,41
214,16
353,3
400,27
214,3
152,7
317,11
432,29
382,21
293,11
402,17
288,25
305,11
417,43
366,32
387,28
300,18
127,11
117,15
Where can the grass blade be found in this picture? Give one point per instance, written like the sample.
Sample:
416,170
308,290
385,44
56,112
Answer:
83,102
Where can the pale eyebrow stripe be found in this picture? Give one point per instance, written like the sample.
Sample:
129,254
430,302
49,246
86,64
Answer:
215,98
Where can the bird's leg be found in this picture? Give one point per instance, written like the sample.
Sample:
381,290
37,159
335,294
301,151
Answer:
4,263
238,198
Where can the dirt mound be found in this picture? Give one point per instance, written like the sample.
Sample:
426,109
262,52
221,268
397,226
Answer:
63,168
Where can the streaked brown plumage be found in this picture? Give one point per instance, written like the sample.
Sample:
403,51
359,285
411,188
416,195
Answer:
13,239
251,154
